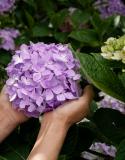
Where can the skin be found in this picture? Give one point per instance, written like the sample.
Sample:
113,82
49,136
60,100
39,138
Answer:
54,126
9,118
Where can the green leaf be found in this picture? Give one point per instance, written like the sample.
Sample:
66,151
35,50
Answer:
48,6
84,140
101,76
122,78
59,18
75,143
87,36
40,31
95,131
22,39
108,63
101,26
5,57
111,123
30,19
93,108
16,150
62,157
121,151
2,158
70,141
79,18
85,3
30,3
61,37
19,144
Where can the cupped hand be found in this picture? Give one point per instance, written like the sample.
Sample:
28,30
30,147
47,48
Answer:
7,110
55,125
72,111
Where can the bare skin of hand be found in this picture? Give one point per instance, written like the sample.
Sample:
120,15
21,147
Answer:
9,117
55,126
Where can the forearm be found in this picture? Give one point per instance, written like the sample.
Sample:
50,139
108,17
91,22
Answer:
9,117
6,125
49,141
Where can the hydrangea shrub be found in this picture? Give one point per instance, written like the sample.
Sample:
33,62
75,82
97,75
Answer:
7,36
42,77
110,102
6,5
100,148
108,8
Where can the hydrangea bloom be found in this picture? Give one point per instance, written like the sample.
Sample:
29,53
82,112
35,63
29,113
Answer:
7,37
110,102
6,5
41,77
101,148
114,49
110,7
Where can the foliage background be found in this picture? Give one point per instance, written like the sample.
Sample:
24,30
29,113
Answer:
78,23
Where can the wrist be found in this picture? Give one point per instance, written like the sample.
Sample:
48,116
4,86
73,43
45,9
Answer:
7,114
14,116
7,124
50,138
53,118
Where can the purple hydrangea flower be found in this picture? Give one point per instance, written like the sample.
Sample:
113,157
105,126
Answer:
6,5
41,77
110,102
101,148
7,36
110,7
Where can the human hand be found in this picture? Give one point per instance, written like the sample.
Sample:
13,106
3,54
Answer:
9,117
73,111
55,125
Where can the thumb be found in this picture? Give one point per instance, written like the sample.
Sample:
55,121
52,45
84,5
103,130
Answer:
88,94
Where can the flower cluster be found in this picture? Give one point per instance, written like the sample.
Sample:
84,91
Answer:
101,148
110,7
41,77
114,49
7,36
6,5
110,102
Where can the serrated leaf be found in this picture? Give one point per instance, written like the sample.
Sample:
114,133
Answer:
120,155
101,76
88,36
108,63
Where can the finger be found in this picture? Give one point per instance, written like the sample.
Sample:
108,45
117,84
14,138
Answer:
3,89
88,95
